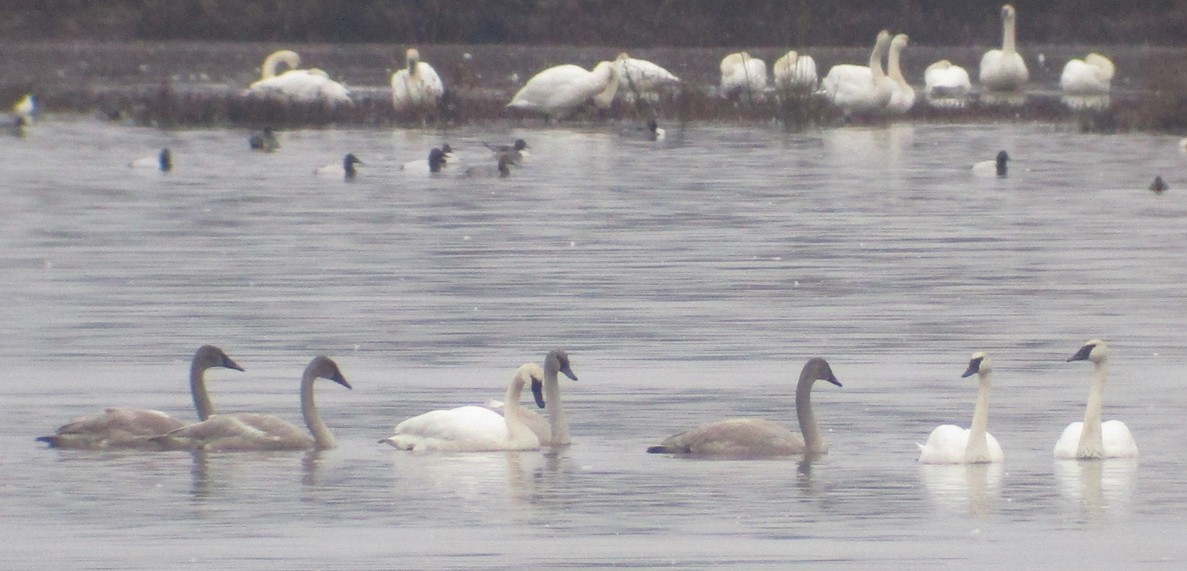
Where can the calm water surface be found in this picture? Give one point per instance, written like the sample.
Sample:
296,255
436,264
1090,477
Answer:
689,280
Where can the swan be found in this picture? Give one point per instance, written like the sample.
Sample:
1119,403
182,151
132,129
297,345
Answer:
131,427
251,432
946,84
741,73
417,85
795,72
162,161
265,140
1004,69
300,85
857,89
516,151
639,78
756,437
1092,75
474,428
996,167
1159,185
902,96
437,161
951,444
1093,439
344,169
559,90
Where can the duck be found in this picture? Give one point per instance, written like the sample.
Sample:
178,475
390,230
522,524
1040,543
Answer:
996,167
516,151
298,85
474,428
642,79
13,125
1093,439
951,444
946,84
560,90
1159,186
1004,69
742,74
437,161
251,432
162,161
650,131
263,141
861,89
501,169
1092,75
344,169
795,72
124,427
752,438
417,85
902,96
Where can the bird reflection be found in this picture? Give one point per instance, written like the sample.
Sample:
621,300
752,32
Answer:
965,488
1097,486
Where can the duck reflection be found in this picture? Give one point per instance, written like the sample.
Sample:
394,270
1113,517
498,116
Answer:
965,488
1097,486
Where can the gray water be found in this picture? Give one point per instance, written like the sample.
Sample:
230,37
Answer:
688,279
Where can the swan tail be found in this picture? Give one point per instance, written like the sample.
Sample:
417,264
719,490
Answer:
661,449
53,441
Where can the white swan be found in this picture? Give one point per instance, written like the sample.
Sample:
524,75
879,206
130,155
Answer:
299,85
997,167
795,72
902,95
859,89
251,432
558,91
162,161
1093,439
755,437
132,427
639,78
1092,75
742,74
417,85
946,84
1004,69
473,428
343,169
951,444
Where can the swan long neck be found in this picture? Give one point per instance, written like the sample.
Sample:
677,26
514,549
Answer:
892,64
978,445
202,401
322,437
606,74
1008,45
813,439
556,414
273,61
1091,444
517,431
876,59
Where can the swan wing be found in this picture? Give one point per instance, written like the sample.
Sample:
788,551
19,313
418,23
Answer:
1069,441
1117,439
467,428
945,445
734,437
113,428
557,90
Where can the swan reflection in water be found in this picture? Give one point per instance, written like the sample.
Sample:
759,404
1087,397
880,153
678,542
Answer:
211,471
483,477
1097,486
964,488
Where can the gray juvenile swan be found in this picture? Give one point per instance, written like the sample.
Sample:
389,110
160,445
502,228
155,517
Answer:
757,437
121,427
555,430
259,432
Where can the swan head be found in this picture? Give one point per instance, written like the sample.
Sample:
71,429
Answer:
326,368
899,41
558,361
1094,350
1008,14
534,374
883,40
436,160
819,370
412,56
209,356
978,364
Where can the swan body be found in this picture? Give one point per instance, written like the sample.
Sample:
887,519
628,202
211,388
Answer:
298,85
902,96
558,91
132,427
162,161
641,78
741,73
754,437
861,89
343,169
997,167
416,86
1093,439
950,444
795,72
436,162
946,84
1092,75
1004,69
474,428
261,432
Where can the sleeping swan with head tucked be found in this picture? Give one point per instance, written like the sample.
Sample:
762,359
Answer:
951,444
299,85
752,437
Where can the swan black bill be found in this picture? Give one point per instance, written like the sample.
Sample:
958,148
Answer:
974,368
1082,354
568,371
538,392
